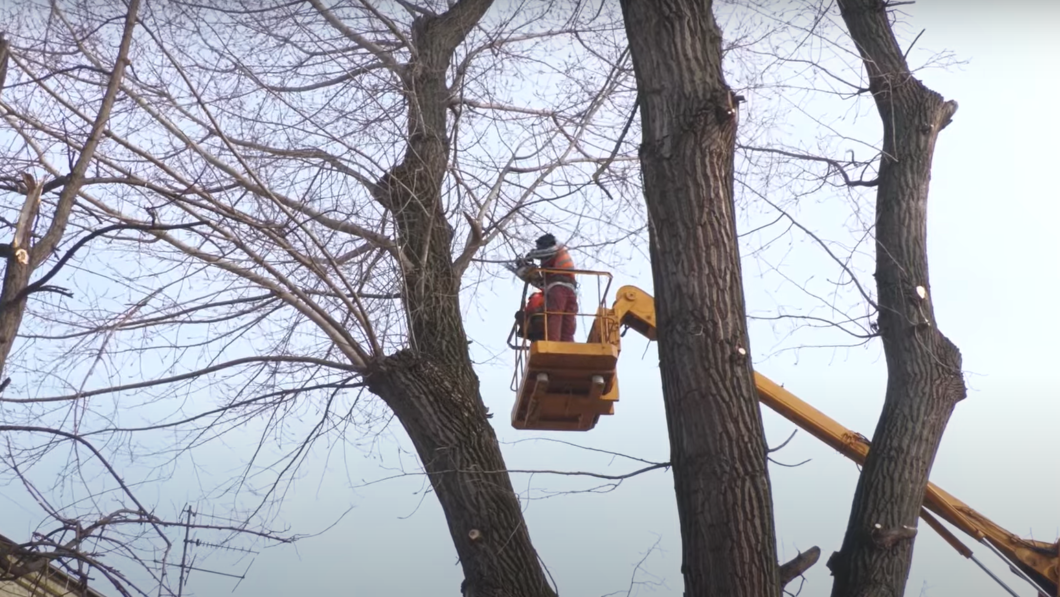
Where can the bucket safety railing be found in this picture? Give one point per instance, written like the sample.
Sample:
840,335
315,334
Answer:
586,314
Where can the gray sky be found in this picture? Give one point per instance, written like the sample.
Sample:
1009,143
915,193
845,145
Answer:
992,243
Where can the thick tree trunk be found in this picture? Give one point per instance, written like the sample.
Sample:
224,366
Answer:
924,367
717,444
442,412
431,386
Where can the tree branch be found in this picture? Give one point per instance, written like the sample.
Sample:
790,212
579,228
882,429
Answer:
66,198
833,164
798,565
40,283
384,56
184,376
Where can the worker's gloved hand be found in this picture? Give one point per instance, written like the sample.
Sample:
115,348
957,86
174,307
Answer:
524,273
519,314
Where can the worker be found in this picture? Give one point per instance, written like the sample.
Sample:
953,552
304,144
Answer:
530,321
561,300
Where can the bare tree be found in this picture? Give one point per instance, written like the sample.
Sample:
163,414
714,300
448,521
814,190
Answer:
25,253
689,115
304,229
307,195
689,118
924,377
844,60
77,543
924,368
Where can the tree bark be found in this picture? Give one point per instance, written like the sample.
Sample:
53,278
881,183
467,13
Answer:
12,307
18,269
443,414
717,444
798,565
924,367
431,386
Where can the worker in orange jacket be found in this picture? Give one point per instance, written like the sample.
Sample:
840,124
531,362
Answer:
531,320
561,299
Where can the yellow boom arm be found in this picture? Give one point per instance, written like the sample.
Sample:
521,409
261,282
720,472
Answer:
1035,561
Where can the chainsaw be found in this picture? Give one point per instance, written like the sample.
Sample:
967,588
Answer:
525,270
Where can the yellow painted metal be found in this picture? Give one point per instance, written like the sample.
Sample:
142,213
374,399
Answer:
633,308
566,386
557,393
1037,559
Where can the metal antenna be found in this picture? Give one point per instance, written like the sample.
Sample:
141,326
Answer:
186,561
184,555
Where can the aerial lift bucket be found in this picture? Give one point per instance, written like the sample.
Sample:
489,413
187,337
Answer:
566,386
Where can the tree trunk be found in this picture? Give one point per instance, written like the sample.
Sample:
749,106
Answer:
12,307
431,386
16,275
443,414
924,368
717,443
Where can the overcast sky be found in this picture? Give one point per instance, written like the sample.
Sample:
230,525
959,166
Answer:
992,244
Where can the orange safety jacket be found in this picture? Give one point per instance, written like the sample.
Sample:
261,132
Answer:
534,317
561,260
535,303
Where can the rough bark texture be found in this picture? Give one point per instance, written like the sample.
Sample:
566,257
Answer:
924,367
440,408
17,271
12,305
798,565
431,386
717,445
